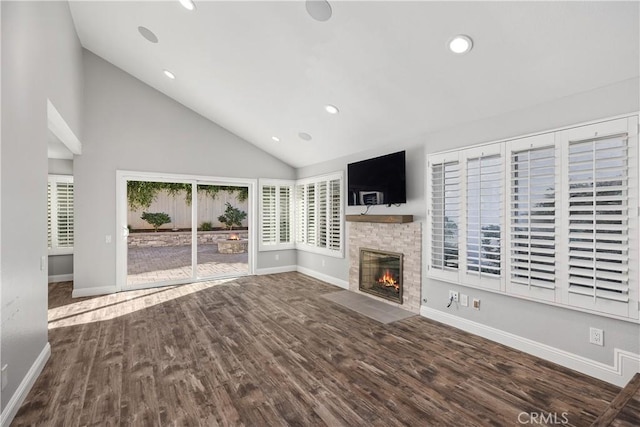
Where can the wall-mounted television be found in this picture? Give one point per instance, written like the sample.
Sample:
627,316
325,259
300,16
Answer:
378,181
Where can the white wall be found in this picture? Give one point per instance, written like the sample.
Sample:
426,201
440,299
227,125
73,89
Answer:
41,59
557,327
131,126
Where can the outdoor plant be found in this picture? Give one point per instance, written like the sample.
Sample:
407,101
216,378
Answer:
232,216
156,219
206,226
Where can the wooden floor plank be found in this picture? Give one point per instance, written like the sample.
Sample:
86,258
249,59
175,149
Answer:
269,351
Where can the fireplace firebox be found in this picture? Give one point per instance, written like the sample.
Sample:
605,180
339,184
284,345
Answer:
381,274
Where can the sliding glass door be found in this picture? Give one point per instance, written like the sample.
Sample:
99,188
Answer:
179,229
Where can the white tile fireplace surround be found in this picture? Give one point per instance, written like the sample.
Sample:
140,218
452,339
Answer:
403,238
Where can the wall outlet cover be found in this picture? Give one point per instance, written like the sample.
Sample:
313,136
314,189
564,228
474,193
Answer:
464,300
596,336
476,303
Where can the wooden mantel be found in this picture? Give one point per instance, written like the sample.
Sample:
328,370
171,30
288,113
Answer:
384,219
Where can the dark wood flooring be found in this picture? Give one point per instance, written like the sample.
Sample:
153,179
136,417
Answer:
269,351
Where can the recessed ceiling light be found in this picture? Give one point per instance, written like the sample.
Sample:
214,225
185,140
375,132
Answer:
460,44
148,34
305,136
169,74
331,109
188,4
275,138
320,10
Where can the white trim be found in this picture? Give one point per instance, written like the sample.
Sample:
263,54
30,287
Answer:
61,278
61,129
25,386
625,364
324,277
121,233
276,270
92,292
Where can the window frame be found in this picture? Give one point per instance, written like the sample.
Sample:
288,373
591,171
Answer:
278,184
52,227
302,241
628,124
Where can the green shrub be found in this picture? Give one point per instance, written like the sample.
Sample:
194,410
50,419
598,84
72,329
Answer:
232,216
156,219
206,226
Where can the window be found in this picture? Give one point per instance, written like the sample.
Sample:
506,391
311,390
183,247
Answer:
444,212
483,216
601,202
60,214
553,217
533,219
318,217
276,215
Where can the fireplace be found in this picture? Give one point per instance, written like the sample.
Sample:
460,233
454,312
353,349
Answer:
381,274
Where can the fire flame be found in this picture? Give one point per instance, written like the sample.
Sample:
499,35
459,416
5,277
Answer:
388,281
234,236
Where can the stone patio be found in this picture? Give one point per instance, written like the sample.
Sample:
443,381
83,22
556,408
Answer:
160,264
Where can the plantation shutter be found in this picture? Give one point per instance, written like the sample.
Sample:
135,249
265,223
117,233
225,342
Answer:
598,218
49,217
533,220
285,214
60,228
335,215
64,192
483,214
268,217
445,214
301,213
312,218
323,207
319,214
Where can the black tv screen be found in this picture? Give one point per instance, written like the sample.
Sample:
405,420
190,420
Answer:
377,181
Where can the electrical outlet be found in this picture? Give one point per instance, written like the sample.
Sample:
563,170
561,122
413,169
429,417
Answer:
277,257
464,300
596,336
453,294
476,303
5,377
107,238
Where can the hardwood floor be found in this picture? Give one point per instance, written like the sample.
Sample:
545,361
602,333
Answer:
269,351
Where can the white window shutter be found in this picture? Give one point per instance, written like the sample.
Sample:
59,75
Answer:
323,207
318,214
335,215
268,216
60,214
533,180
601,203
284,218
483,215
301,213
49,216
64,218
445,206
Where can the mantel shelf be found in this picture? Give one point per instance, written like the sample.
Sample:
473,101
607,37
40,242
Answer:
383,219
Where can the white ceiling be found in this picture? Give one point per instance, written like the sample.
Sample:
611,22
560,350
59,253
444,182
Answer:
263,69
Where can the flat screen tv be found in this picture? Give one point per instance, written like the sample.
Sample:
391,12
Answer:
377,181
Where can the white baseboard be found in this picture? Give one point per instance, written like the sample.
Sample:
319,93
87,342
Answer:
61,278
275,270
324,277
92,292
23,389
625,364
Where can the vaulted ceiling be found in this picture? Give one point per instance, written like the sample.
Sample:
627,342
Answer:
264,69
